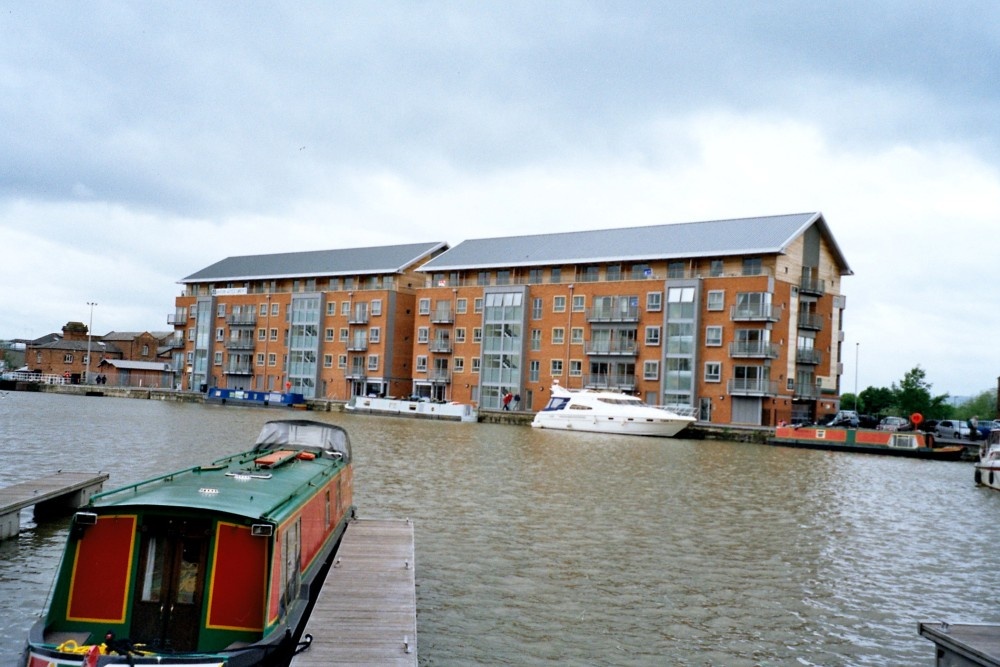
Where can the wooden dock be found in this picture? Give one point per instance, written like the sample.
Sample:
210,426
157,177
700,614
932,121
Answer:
51,495
964,644
366,613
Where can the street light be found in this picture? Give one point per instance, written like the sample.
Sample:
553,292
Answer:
857,348
90,331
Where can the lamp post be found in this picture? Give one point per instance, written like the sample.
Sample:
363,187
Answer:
90,329
857,348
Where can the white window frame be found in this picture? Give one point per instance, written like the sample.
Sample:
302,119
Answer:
710,340
715,300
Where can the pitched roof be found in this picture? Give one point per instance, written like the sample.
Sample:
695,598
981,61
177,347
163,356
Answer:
715,238
125,364
346,261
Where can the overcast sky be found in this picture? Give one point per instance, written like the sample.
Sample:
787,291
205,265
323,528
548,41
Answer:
141,142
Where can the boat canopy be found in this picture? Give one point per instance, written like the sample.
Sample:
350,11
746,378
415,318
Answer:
305,434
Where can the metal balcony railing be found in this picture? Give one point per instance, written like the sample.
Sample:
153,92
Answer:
753,349
752,387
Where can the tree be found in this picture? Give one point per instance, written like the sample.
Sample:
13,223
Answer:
983,406
877,400
913,394
849,401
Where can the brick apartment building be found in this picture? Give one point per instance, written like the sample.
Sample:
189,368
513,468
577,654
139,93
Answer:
739,319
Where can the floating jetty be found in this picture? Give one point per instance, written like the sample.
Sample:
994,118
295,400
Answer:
52,495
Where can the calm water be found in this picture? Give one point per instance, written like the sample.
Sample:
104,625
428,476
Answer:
555,548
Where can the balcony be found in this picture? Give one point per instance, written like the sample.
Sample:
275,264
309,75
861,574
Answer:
180,317
242,320
239,344
239,368
622,382
814,286
810,321
356,373
805,390
752,387
358,317
756,313
442,316
753,349
174,342
441,345
613,314
439,376
357,343
808,355
612,349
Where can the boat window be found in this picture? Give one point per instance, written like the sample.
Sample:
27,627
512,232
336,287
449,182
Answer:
187,580
154,570
577,406
556,403
624,400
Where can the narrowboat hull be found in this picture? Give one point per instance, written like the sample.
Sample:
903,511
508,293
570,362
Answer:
912,444
420,409
217,565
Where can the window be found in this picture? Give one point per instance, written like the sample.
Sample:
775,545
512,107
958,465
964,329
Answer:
460,335
462,306
424,307
345,308
275,309
591,274
713,371
67,358
422,363
475,364
652,335
217,359
260,358
327,361
272,359
536,308
220,310
716,300
558,336
680,303
654,302
555,275
651,370
373,362
713,336
341,361
579,303
535,276
675,270
477,335
344,334
477,305
459,364
641,271
556,367
263,310
576,336
559,304
483,278
613,272
375,335
376,306
423,334
575,367
715,270
334,284
327,334
503,277
220,333
752,266
534,368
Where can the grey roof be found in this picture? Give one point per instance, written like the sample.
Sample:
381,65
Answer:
348,261
716,238
126,364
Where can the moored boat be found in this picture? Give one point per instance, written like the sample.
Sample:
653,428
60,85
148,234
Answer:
261,398
412,408
600,411
915,444
215,565
988,467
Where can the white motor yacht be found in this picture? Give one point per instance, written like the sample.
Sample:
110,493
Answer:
602,411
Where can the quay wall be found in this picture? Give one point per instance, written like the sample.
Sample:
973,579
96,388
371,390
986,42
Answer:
732,433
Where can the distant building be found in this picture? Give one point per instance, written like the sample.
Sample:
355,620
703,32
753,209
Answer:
741,320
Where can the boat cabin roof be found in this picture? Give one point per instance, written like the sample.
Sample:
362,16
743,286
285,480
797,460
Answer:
262,483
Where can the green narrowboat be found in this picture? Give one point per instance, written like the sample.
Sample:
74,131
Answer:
216,565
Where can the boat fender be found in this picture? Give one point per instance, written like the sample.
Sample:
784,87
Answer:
929,439
979,477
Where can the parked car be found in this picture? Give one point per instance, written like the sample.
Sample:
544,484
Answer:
956,429
845,419
893,424
984,428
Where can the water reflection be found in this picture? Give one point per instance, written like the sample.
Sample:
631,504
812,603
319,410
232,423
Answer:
535,547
